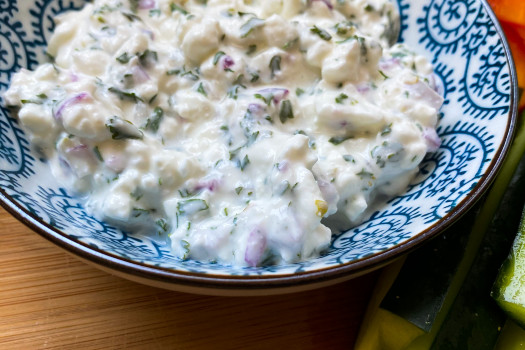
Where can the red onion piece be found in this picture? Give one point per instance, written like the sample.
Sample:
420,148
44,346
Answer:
73,77
83,96
427,94
227,62
327,3
255,247
146,4
256,109
388,63
277,94
363,88
209,185
432,139
117,163
80,152
139,75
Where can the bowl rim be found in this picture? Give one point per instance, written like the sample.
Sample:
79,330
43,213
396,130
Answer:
284,280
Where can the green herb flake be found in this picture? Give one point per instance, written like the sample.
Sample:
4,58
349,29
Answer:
154,13
124,58
369,8
201,90
286,111
239,189
275,65
386,130
365,174
147,58
299,92
186,246
339,99
123,129
244,162
383,74
174,7
163,224
349,158
125,95
249,26
337,140
96,150
190,206
251,49
154,120
323,34
217,57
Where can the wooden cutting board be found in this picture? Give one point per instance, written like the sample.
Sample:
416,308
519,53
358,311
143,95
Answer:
50,300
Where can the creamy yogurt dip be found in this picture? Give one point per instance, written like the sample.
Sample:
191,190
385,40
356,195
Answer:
232,127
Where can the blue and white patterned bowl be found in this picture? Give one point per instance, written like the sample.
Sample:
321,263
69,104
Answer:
471,57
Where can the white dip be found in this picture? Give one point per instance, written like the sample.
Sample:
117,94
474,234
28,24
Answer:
231,126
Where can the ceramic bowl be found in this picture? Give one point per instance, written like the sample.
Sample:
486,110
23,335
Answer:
472,62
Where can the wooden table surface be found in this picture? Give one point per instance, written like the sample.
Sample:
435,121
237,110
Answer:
51,300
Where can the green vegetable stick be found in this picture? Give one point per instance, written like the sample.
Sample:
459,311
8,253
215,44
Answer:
483,221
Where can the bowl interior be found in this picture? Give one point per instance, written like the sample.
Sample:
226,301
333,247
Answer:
476,78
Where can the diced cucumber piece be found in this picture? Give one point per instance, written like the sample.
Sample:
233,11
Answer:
509,288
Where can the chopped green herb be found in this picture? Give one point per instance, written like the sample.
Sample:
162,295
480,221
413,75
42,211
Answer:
123,129
387,130
383,74
96,150
286,111
275,64
173,72
163,224
154,13
283,187
249,26
323,34
299,92
244,162
186,246
251,49
191,206
217,57
239,189
369,8
291,44
349,158
154,120
125,95
131,17
50,57
134,5
136,212
184,193
151,100
339,99
148,57
365,174
124,58
136,194
337,140
255,77
174,7
201,90
190,75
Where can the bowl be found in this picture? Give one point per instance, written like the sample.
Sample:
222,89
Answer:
471,59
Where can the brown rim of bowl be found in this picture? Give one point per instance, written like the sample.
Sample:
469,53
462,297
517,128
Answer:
212,281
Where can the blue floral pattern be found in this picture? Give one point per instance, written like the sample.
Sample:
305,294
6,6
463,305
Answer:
472,70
